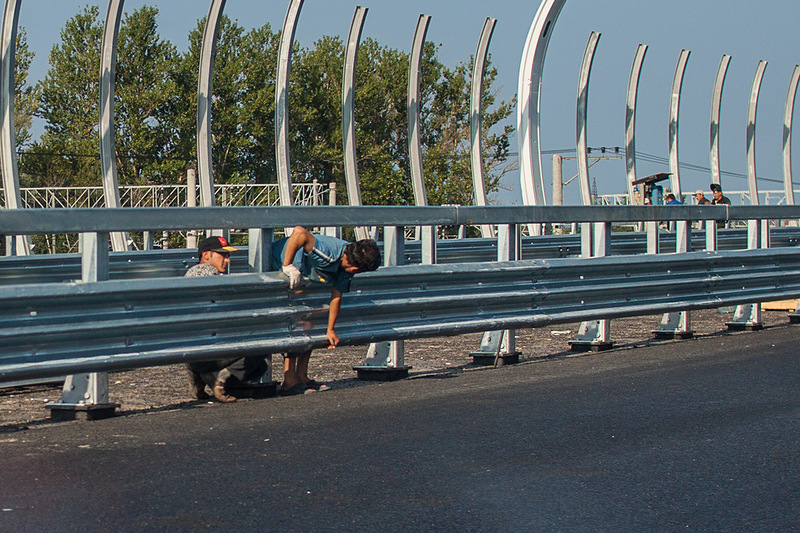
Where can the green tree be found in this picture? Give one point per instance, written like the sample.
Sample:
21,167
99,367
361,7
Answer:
446,136
382,123
67,152
242,103
26,97
259,57
145,94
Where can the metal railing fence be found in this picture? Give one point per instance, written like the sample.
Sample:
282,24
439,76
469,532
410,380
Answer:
170,195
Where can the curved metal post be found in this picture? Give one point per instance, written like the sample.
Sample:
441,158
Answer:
414,149
674,113
476,110
787,136
716,104
529,103
205,163
581,117
630,120
282,102
8,148
348,99
752,110
348,113
748,316
108,161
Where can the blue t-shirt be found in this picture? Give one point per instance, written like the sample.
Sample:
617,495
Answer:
321,265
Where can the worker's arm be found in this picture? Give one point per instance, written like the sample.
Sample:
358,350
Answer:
333,314
299,239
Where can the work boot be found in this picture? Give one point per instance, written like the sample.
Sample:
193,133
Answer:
197,387
221,394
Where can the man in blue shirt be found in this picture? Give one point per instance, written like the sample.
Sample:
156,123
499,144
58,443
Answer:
326,260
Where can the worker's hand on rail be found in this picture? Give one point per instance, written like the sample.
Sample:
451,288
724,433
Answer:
294,275
333,339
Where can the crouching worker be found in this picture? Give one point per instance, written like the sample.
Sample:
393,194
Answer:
327,260
214,255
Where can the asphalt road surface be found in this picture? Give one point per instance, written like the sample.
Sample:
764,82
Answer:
694,436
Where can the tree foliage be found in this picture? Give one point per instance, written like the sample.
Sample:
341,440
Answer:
26,96
156,112
146,90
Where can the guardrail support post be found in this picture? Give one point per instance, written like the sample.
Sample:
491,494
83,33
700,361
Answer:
385,361
499,347
678,324
87,394
711,235
748,316
653,242
428,243
594,335
259,249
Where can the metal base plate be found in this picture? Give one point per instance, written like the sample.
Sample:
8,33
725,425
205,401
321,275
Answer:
664,334
589,346
488,359
61,412
742,326
381,373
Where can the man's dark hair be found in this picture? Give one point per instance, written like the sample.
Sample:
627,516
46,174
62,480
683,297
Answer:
364,255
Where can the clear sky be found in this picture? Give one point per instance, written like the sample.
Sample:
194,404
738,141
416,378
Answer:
708,28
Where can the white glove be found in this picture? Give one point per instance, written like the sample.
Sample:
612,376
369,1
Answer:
294,275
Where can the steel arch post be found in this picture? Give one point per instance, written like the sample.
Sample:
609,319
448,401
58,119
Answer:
581,117
630,120
205,162
752,111
476,111
108,62
529,103
676,324
716,105
8,152
413,106
595,238
674,123
348,113
748,316
787,136
282,102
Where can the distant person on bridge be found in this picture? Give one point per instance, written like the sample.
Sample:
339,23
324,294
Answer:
214,255
719,199
700,198
670,199
321,259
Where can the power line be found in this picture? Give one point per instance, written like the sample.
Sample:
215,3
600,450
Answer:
651,158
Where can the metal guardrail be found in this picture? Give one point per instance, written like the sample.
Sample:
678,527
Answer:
49,221
57,329
60,328
57,268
